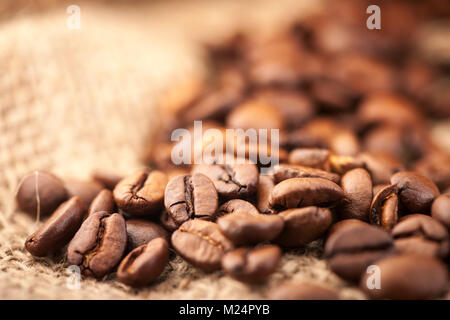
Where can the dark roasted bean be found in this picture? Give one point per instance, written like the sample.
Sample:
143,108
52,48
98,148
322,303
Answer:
357,186
440,210
103,202
287,171
384,207
264,190
141,232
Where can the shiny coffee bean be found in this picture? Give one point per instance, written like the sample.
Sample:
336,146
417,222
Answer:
141,232
201,244
303,192
54,234
421,234
244,228
237,206
440,209
190,196
142,193
251,265
108,179
380,166
99,244
310,157
86,190
408,277
302,291
41,192
350,251
283,172
304,225
104,201
384,207
265,186
231,181
416,192
144,264
357,186
342,164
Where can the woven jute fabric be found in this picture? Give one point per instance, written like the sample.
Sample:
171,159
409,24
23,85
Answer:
74,101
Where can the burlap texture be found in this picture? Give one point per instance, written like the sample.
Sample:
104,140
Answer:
72,101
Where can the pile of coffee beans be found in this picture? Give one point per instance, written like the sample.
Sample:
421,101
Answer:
358,171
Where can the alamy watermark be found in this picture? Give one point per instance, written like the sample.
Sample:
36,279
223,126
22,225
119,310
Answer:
374,20
374,280
73,21
73,282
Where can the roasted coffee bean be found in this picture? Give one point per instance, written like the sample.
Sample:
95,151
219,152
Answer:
302,226
303,192
237,206
435,166
357,186
351,250
440,210
86,190
380,166
142,193
302,291
251,265
201,244
40,192
344,224
104,201
416,192
265,186
57,230
167,222
421,234
108,179
377,188
191,196
310,157
144,264
99,244
244,228
231,181
342,164
384,207
408,277
141,232
283,172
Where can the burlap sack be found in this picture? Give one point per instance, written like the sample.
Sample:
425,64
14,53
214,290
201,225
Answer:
72,101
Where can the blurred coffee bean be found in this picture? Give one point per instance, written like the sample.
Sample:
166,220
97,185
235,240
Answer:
141,232
435,166
304,192
344,224
304,225
251,265
408,277
265,186
381,166
201,244
144,264
384,207
342,164
108,179
86,190
40,192
244,228
142,193
440,209
357,186
104,201
54,234
332,95
283,172
167,222
237,206
302,291
416,192
310,157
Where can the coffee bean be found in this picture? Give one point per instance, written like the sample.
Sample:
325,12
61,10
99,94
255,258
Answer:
416,192
380,166
345,224
384,207
86,190
408,277
357,186
264,190
144,264
142,193
287,171
140,232
310,157
233,180
41,192
190,196
351,250
302,291
304,225
421,234
251,265
377,188
342,164
108,179
303,192
167,222
201,244
440,210
57,230
99,244
236,206
435,166
103,202
244,228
